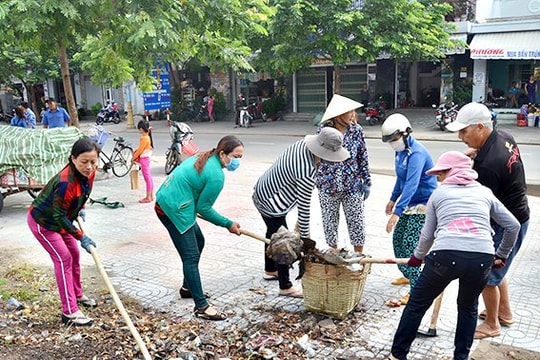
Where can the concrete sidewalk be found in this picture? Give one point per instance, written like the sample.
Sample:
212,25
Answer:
142,262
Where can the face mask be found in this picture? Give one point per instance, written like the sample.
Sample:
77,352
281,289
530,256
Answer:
398,145
233,164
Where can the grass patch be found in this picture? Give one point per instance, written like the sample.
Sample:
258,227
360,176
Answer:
28,284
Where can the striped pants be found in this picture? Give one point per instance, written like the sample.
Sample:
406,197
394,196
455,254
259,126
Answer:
353,207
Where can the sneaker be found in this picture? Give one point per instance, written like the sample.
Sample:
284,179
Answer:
87,302
270,275
400,281
76,319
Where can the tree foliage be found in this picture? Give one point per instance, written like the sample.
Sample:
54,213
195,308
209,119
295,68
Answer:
121,40
172,31
341,31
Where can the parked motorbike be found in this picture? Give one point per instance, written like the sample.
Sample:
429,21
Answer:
107,114
6,117
375,113
182,145
490,105
250,113
445,114
202,115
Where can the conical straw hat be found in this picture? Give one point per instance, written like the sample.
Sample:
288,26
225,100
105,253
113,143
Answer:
339,105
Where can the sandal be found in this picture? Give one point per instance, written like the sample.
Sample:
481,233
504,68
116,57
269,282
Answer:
503,322
270,275
292,292
400,281
87,302
186,293
145,201
202,314
393,303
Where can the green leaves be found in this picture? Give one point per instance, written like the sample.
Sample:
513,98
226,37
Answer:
304,30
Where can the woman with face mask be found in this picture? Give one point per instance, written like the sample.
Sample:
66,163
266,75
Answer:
407,205
191,190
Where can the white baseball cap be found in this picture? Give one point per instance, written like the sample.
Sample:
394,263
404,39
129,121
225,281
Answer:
470,114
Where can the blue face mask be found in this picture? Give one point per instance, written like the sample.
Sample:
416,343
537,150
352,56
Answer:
233,164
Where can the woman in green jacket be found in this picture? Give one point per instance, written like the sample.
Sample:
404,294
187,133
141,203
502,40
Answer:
191,189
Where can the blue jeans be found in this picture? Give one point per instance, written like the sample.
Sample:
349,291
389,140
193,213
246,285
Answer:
189,246
497,275
441,267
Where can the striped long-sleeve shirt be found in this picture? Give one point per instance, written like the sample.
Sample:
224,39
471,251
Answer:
287,183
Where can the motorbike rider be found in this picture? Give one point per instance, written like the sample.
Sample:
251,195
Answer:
240,103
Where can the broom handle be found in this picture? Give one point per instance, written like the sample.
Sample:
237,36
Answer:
255,236
369,260
117,300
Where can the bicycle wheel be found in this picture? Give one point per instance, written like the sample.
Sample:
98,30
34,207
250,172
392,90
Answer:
121,161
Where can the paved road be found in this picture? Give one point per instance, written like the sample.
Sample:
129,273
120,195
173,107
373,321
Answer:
142,262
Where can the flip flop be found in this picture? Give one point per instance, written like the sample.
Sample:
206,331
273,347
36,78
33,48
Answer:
393,303
479,334
503,322
400,281
292,292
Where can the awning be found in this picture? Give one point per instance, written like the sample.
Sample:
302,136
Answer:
509,45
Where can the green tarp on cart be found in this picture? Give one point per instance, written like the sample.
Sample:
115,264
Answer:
38,154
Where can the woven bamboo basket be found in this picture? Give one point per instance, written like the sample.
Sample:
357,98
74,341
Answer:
333,290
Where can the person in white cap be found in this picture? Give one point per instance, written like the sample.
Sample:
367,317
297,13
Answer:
289,182
345,183
455,243
497,161
407,205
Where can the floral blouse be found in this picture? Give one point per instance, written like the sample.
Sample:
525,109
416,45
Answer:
347,176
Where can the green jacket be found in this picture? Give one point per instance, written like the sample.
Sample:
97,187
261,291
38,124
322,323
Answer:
184,193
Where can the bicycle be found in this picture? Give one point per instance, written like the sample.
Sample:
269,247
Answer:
120,159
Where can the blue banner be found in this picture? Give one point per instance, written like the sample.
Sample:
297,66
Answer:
161,97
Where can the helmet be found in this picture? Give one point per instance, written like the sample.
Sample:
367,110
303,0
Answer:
395,125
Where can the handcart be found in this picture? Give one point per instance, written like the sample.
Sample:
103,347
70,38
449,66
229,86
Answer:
13,182
30,157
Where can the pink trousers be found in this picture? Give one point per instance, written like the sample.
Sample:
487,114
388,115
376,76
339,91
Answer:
145,169
64,252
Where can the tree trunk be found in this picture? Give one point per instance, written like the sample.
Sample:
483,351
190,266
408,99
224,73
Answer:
337,79
66,81
174,76
32,101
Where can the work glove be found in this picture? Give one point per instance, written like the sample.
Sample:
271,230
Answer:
86,242
82,214
366,190
498,264
414,261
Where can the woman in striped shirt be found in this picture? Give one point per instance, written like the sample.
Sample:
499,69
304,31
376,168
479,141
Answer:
289,182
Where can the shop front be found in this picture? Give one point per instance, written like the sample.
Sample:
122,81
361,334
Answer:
503,58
